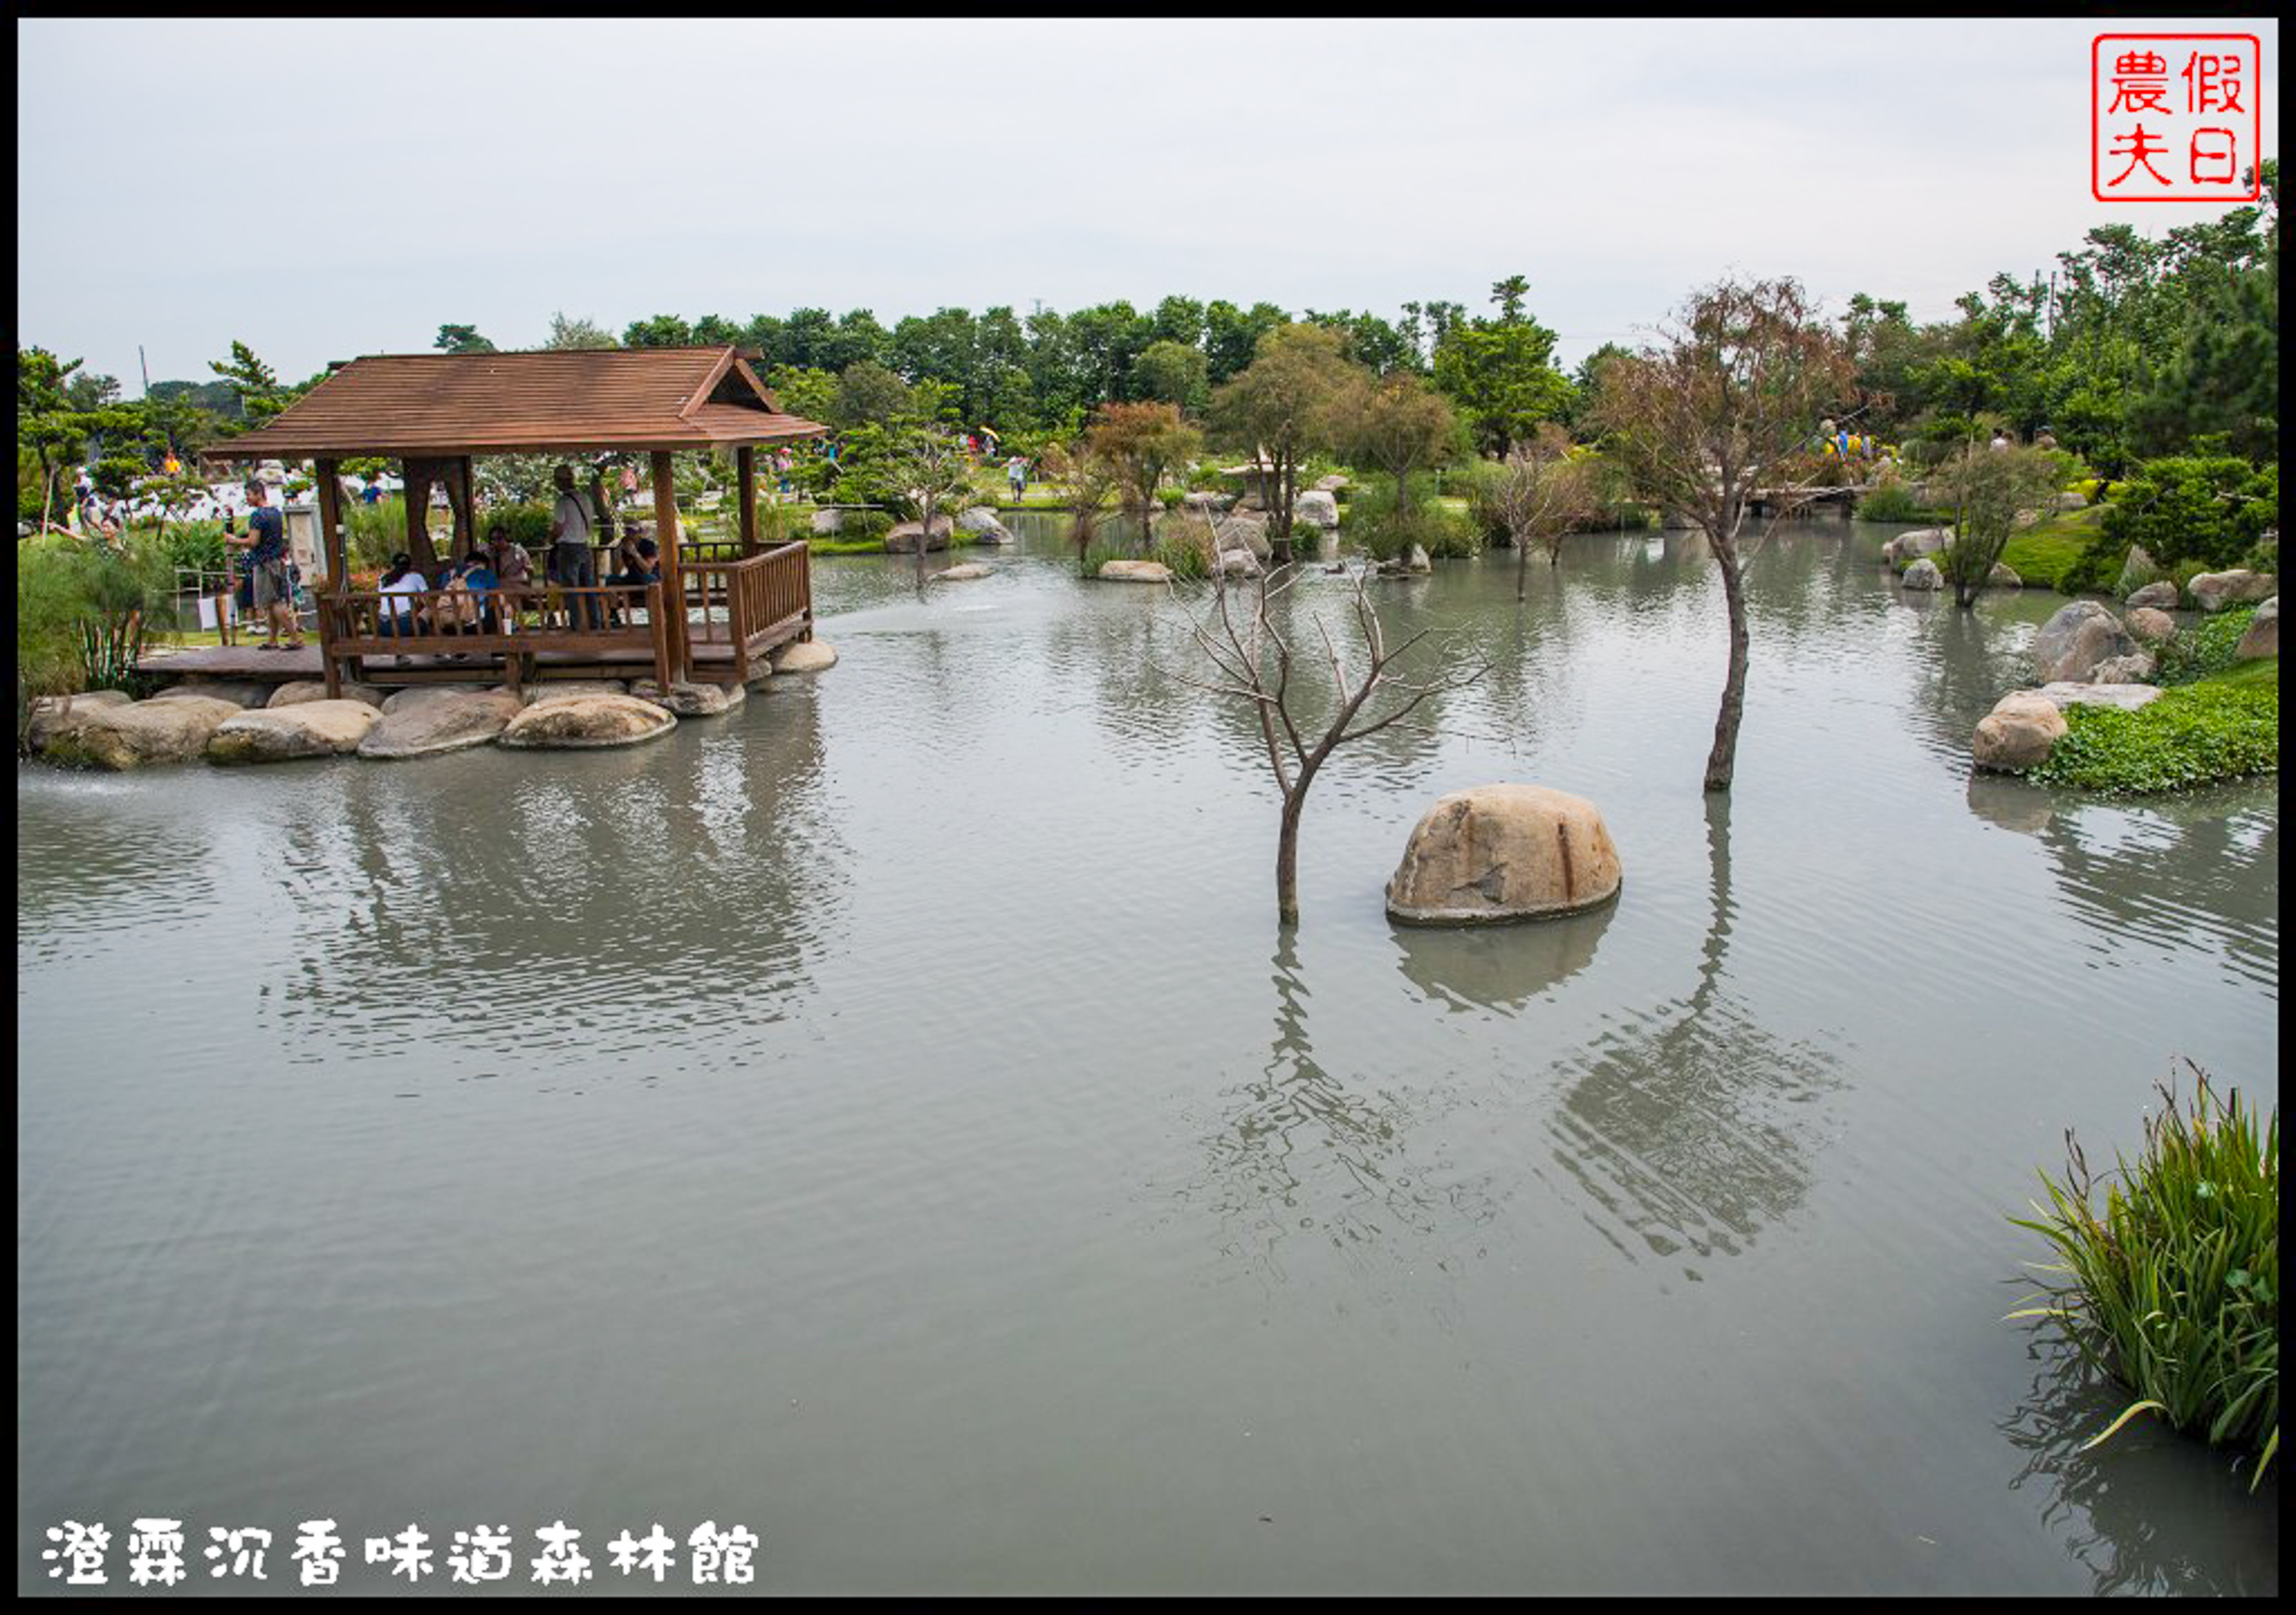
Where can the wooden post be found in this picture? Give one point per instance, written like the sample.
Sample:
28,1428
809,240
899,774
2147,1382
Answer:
745,463
417,474
466,514
332,550
673,578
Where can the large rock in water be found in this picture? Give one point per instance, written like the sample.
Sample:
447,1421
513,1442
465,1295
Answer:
2004,576
691,700
1136,571
2017,733
2212,591
1317,507
280,734
2072,642
1923,573
569,690
1500,853
586,722
2158,596
141,733
415,695
804,657
1914,544
52,715
316,689
443,720
239,692
965,573
903,539
2263,636
2134,667
982,523
1248,533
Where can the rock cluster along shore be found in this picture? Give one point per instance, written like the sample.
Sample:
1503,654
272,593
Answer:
231,724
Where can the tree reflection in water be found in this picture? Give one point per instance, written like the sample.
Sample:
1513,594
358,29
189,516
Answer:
2148,1512
1302,1152
1683,1129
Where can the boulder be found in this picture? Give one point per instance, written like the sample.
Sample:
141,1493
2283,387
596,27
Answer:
2004,576
961,574
415,694
138,733
1320,508
1136,571
2017,733
1238,563
1501,852
691,700
574,689
1248,533
829,522
2159,596
903,539
582,723
1205,502
2128,697
316,689
2149,625
1916,542
1923,573
239,692
2137,667
280,734
804,657
54,714
2212,591
2075,639
443,720
2071,498
2263,636
981,522
1332,483
2137,570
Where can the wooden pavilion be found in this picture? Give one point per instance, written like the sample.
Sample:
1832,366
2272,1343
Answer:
719,607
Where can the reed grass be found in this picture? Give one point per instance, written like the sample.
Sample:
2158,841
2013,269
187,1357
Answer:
2175,1289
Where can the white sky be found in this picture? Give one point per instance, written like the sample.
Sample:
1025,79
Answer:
324,189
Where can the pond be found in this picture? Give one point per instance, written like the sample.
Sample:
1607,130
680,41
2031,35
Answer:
889,1118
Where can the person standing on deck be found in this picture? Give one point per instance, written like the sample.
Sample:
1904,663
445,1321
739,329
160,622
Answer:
572,563
266,544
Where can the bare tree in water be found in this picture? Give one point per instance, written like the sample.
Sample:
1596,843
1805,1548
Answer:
1540,494
1255,663
1722,408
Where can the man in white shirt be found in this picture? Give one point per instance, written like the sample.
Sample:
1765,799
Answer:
573,564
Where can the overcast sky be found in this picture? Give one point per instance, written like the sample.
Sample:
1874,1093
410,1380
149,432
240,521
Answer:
324,189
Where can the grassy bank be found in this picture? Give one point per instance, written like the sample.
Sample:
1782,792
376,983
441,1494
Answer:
2046,552
2221,727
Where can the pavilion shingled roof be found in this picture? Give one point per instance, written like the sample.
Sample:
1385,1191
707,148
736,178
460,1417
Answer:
449,404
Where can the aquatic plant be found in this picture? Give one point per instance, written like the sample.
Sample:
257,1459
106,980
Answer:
2175,1290
2205,649
2187,736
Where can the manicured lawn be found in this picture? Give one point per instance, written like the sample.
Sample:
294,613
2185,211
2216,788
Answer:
2041,553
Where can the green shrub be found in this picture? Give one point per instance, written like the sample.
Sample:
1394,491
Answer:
1097,552
1445,530
1892,501
1170,497
1186,552
1205,478
2175,1290
2187,736
2192,509
2204,650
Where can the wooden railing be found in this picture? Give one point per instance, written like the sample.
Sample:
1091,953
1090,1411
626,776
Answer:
758,594
511,624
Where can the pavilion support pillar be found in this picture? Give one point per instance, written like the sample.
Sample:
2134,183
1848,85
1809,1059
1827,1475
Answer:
463,494
745,464
332,556
418,475
673,575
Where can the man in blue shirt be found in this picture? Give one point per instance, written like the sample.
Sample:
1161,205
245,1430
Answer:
266,544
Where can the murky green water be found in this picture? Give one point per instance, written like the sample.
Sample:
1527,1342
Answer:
888,1118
